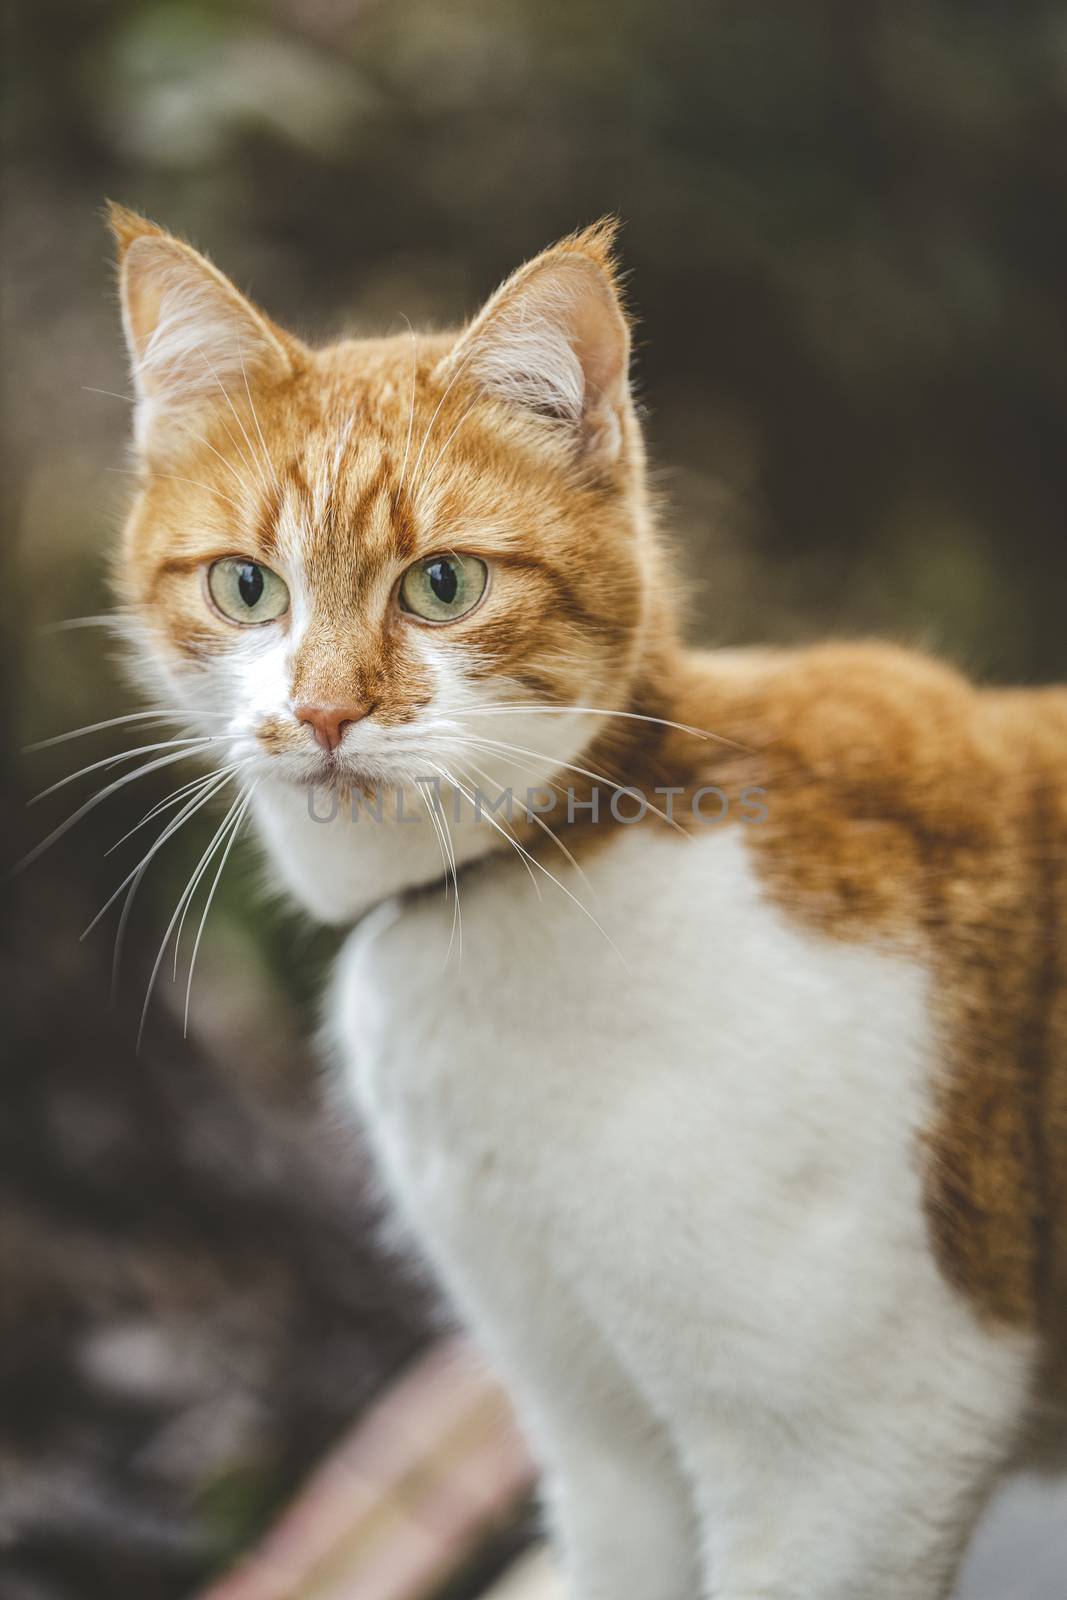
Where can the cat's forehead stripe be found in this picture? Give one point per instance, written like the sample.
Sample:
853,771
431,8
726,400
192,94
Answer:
325,504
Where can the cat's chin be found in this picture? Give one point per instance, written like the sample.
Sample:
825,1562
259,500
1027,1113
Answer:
331,776
323,774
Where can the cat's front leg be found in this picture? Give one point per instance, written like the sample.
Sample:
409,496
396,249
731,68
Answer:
617,1503
618,1507
872,1500
619,1510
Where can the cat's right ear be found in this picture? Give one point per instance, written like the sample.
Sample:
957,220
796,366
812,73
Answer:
194,340
554,341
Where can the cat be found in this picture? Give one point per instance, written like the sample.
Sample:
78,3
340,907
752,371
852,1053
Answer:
724,1082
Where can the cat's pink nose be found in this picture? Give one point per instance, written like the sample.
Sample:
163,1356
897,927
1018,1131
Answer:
328,723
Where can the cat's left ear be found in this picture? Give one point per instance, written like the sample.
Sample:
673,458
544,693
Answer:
554,341
193,338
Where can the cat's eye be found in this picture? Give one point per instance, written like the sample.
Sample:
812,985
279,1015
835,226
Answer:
443,588
247,592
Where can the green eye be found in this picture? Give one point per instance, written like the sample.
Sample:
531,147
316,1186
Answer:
444,587
245,592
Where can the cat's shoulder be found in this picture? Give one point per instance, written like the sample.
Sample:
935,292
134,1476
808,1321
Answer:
853,714
829,684
874,755
870,707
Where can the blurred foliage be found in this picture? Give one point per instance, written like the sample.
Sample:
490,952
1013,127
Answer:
847,231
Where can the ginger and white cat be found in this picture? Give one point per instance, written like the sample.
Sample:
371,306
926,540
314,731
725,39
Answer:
740,1139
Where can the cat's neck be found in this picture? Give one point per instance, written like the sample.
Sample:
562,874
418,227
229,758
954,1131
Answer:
339,855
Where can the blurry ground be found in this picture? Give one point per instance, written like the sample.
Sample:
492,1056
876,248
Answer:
193,1303
847,232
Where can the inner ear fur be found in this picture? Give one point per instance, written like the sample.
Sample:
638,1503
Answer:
554,340
193,337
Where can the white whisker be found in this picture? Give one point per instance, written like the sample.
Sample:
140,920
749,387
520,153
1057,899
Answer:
533,816
171,800
234,831
601,711
198,784
431,812
181,925
510,837
69,624
115,722
435,463
532,861
583,772
268,460
471,795
242,483
189,889
244,432
92,803
87,388
446,863
175,477
188,810
96,727
429,426
123,755
445,833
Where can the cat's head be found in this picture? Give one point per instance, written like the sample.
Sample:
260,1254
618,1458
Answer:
342,558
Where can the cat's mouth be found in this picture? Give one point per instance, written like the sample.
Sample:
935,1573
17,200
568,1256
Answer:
334,771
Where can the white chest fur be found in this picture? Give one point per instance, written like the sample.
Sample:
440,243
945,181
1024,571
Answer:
707,1085
678,1171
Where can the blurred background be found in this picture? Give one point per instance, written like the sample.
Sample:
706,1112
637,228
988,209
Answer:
846,228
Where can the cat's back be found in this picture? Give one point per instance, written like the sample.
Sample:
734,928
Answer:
893,783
